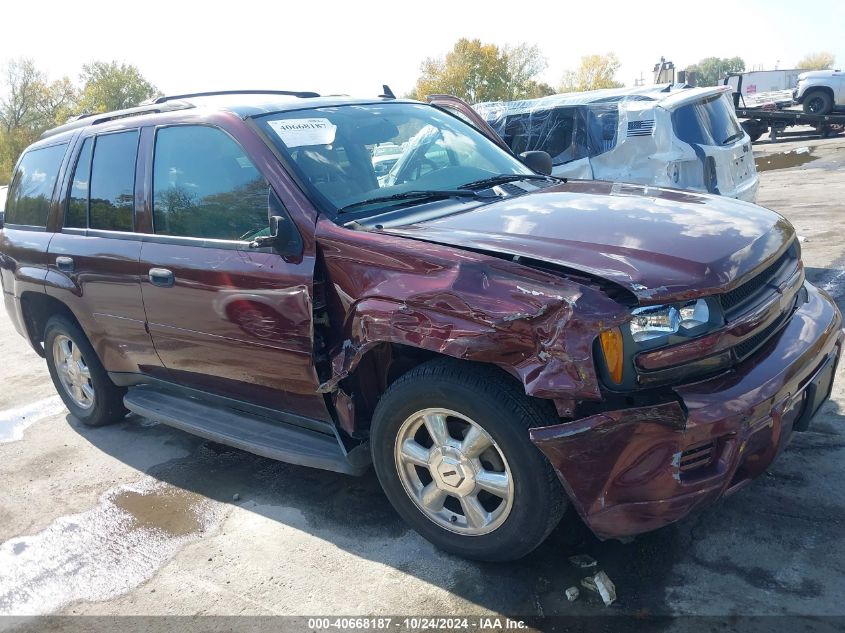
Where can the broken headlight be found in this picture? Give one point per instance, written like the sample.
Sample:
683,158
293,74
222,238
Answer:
653,322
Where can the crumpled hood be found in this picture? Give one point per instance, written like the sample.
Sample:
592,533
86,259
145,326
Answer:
658,243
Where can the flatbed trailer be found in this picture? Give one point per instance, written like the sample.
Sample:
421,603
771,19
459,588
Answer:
775,117
757,121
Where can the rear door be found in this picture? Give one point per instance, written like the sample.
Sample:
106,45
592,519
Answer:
225,318
94,257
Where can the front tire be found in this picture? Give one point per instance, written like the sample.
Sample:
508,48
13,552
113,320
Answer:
818,102
451,449
79,377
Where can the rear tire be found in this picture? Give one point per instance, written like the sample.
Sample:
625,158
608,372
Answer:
79,377
754,129
451,449
818,102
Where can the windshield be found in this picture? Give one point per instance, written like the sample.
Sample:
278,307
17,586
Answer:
341,151
708,122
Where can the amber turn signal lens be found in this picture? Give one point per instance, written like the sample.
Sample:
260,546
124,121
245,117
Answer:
611,345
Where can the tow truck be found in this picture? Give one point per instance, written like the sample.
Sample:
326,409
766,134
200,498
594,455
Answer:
776,116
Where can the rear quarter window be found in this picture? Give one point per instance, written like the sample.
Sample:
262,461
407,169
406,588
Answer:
32,186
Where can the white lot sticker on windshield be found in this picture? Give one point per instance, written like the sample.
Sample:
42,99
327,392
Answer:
299,132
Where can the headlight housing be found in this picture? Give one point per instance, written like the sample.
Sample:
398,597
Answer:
653,322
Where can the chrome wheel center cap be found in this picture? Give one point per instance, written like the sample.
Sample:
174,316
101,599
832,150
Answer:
452,471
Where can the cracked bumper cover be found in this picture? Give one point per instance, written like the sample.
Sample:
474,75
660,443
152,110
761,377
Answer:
624,471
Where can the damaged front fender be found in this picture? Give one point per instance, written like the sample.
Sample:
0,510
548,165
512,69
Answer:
536,325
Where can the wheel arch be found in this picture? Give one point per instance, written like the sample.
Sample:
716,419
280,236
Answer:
356,396
37,308
811,89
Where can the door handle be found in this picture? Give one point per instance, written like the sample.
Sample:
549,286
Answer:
65,264
161,277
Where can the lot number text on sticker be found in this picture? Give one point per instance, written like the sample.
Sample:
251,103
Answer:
301,132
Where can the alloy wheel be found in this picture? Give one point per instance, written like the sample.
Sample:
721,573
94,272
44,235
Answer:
73,372
454,472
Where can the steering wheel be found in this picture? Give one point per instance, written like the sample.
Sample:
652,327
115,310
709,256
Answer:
422,162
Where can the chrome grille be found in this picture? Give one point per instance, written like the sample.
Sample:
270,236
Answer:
752,343
741,295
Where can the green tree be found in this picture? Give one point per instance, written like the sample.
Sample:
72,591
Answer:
23,86
57,102
29,106
111,86
477,72
710,71
471,70
823,60
595,72
524,62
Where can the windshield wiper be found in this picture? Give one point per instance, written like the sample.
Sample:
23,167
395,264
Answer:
433,194
502,179
732,137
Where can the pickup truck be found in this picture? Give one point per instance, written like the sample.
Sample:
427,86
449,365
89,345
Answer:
820,91
498,343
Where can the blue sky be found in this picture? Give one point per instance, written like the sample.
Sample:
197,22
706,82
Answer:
354,46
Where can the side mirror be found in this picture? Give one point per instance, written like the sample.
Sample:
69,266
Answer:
280,229
281,233
539,161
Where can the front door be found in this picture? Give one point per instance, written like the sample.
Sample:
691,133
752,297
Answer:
225,318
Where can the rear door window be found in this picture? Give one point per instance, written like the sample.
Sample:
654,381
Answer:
205,186
77,209
32,186
112,188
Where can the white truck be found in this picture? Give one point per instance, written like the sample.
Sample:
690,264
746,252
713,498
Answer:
820,91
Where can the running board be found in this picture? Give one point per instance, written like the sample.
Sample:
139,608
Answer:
248,432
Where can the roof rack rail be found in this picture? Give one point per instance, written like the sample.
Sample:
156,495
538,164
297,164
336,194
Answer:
86,119
214,93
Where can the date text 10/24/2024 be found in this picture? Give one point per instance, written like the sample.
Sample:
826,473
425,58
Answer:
481,623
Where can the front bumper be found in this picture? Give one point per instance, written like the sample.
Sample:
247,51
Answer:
634,470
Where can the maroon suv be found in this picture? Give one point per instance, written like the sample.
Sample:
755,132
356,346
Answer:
498,343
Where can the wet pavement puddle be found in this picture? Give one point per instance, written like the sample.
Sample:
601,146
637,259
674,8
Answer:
14,421
170,510
103,552
784,160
